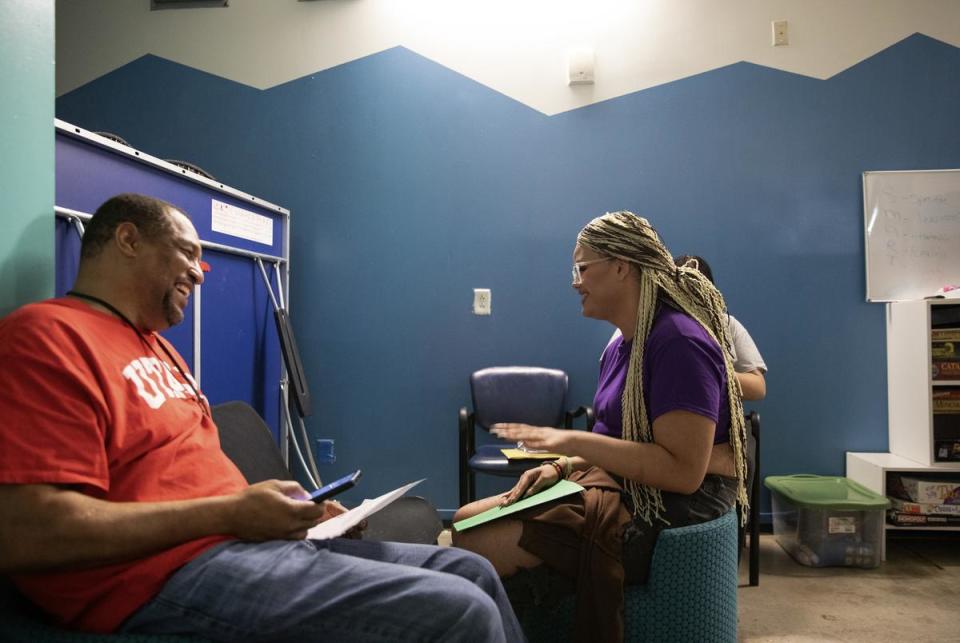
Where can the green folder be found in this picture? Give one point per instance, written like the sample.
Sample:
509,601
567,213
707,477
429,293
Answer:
559,490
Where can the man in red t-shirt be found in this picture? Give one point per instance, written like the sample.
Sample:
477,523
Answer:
119,510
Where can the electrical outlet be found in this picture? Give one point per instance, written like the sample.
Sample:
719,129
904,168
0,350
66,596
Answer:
781,37
325,453
481,301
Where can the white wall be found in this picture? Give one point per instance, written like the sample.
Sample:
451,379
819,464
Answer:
517,47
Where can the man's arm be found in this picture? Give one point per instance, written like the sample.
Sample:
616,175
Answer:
44,527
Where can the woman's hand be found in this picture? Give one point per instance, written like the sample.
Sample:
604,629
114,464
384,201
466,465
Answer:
535,437
531,482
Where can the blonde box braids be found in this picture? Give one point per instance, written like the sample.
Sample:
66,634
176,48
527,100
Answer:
626,236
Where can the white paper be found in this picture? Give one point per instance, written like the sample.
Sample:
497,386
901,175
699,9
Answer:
237,222
339,525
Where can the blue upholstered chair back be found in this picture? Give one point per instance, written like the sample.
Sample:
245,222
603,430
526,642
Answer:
522,394
526,394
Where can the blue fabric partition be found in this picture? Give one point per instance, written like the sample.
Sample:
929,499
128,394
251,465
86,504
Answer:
239,350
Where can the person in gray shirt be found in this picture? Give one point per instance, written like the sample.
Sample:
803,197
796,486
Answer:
747,361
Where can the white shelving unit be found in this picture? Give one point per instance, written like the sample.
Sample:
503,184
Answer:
870,470
910,384
910,388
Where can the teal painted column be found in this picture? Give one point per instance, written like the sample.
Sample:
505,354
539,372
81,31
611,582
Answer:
26,151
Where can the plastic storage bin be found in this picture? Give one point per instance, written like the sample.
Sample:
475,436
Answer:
824,521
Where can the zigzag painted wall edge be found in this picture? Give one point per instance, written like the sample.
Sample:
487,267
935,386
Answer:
410,185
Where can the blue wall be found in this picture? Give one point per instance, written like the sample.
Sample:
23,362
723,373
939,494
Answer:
410,185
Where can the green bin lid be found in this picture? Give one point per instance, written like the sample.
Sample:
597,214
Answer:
826,492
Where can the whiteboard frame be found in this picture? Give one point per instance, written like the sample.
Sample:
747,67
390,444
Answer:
866,226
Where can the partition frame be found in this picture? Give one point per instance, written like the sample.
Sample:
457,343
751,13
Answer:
281,261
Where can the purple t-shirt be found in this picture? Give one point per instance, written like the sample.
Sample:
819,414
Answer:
682,370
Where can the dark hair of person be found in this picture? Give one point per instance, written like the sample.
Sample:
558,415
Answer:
150,215
701,265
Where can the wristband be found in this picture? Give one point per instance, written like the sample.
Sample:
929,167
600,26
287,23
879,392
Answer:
567,467
557,468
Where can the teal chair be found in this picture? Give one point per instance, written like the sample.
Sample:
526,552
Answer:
691,594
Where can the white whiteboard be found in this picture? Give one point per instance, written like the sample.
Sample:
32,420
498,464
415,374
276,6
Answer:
911,223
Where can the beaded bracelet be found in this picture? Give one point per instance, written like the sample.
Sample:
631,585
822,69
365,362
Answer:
557,468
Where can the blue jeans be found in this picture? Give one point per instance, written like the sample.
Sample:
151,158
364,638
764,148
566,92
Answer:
332,590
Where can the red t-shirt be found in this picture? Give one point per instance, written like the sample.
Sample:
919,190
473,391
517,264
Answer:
86,402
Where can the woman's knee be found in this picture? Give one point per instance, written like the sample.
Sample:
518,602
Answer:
499,542
472,509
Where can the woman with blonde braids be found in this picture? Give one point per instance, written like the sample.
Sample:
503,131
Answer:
662,403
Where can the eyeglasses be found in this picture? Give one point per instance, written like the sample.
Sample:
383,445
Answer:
580,267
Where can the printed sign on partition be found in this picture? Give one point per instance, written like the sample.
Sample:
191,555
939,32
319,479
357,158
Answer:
237,222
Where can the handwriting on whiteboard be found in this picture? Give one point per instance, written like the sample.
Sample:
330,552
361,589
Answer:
912,233
919,227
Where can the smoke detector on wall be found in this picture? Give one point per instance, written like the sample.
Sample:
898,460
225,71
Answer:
580,66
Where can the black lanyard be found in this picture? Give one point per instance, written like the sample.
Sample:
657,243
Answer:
113,309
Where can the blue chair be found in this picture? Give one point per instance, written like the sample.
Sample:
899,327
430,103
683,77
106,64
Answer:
525,394
691,594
